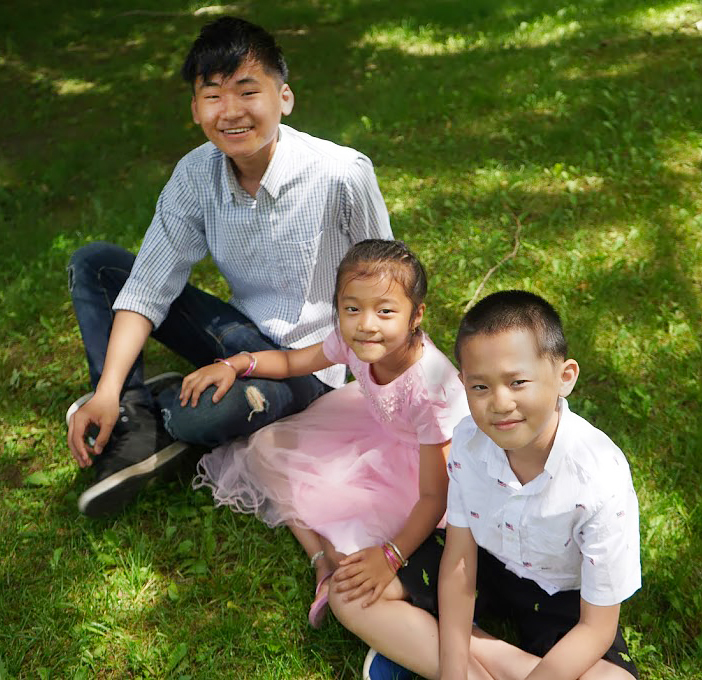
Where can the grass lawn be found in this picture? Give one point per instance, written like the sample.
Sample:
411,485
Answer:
578,123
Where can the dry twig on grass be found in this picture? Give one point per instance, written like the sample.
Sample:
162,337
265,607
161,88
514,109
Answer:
493,269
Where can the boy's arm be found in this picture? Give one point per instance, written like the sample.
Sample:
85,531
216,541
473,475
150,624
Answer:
367,214
275,364
457,575
129,333
582,647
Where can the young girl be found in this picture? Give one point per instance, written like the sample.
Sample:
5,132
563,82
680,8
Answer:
360,475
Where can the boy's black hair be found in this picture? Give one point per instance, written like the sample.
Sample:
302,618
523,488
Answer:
378,257
514,310
226,43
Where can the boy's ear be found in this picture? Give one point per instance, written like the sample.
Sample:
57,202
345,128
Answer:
569,376
287,100
418,316
193,110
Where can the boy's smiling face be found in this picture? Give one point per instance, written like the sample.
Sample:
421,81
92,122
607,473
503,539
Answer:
240,114
513,392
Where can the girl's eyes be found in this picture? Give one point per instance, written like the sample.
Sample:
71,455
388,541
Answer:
519,382
350,309
478,388
385,311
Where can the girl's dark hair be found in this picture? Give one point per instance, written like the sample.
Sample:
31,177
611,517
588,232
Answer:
515,310
224,44
376,257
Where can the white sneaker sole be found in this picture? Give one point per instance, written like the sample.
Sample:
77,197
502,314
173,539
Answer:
128,479
81,400
367,663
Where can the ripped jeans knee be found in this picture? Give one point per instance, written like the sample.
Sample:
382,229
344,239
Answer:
243,410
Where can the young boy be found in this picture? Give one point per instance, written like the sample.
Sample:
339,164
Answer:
542,523
276,209
542,515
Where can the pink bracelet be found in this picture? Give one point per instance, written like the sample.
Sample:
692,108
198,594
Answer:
224,361
252,365
391,558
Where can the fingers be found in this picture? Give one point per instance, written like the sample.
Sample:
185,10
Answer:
373,596
197,382
76,443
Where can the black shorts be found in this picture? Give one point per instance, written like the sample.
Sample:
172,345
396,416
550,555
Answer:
541,620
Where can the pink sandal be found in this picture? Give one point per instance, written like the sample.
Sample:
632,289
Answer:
318,608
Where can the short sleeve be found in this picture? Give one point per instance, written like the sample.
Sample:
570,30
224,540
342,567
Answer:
440,402
335,349
611,564
457,513
173,243
365,213
439,411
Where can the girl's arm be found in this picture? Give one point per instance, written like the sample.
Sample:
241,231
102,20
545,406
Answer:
367,572
582,647
275,363
457,576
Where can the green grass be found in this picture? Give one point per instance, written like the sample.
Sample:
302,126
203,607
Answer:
580,121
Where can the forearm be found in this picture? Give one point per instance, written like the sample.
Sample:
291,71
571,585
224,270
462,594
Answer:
129,333
456,607
280,364
422,520
575,653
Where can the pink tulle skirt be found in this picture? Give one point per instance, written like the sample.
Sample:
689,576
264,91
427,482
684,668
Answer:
331,468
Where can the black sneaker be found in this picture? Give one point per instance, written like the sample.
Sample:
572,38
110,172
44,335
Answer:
139,448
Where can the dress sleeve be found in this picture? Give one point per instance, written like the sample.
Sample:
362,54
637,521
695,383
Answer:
335,349
364,209
440,404
173,243
611,565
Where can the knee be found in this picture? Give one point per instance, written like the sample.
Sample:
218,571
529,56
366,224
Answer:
85,262
347,613
209,424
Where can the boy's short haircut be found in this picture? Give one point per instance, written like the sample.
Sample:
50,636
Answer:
226,43
515,310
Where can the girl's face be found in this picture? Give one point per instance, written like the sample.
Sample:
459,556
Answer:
376,322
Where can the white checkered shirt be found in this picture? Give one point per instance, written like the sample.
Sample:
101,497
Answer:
279,251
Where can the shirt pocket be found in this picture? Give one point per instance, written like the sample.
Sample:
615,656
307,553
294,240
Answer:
550,542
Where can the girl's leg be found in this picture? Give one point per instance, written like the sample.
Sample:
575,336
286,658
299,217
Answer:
312,543
396,629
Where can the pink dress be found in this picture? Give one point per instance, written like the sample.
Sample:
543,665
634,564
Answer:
348,465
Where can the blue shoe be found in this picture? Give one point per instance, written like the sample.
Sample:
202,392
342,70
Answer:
379,667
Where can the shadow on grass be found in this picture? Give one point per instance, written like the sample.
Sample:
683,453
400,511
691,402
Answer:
582,130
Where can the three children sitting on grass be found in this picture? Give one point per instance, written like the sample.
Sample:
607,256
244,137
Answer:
542,516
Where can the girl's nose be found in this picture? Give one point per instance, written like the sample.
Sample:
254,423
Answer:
366,323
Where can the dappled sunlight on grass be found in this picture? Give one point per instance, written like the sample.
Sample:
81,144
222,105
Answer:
579,121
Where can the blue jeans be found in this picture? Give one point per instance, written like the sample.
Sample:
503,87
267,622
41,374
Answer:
199,327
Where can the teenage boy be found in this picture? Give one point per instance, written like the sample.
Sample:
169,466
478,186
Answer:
542,523
276,209
542,514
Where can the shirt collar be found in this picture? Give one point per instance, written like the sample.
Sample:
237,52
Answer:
496,461
559,448
272,179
